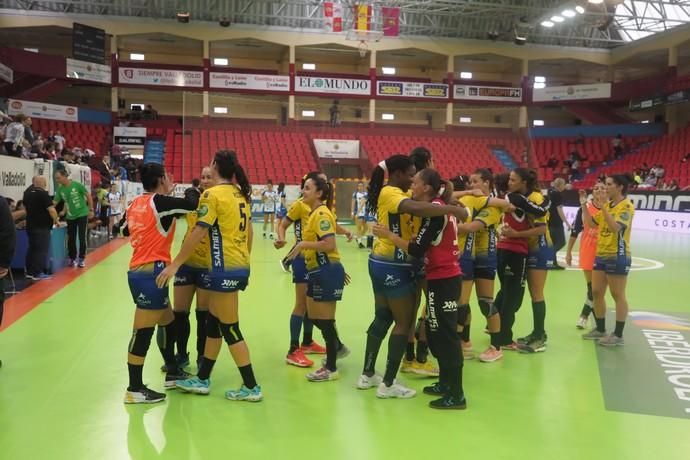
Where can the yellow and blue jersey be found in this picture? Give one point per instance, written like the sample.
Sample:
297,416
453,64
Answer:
201,254
611,243
485,240
321,224
399,223
226,213
466,241
540,241
299,215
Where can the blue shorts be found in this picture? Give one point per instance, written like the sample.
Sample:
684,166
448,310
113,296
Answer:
145,293
613,265
371,218
189,276
485,268
281,213
225,281
419,270
467,268
541,258
326,283
391,279
299,270
361,218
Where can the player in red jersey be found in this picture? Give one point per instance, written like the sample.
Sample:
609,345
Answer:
436,244
150,223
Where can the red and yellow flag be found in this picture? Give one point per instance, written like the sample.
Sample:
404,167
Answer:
362,16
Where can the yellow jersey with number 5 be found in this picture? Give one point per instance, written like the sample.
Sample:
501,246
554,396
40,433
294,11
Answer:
321,224
226,213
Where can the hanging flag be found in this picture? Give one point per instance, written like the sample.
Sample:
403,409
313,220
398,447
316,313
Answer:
333,16
362,16
391,21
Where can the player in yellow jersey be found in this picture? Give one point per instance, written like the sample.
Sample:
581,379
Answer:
224,215
326,276
613,258
187,283
480,232
297,216
392,271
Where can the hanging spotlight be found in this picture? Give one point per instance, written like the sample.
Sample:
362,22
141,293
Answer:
183,17
568,13
557,18
579,9
548,24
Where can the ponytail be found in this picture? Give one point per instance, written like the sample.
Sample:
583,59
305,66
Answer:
529,176
501,181
229,168
325,187
439,187
395,163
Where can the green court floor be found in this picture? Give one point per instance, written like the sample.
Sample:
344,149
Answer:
64,375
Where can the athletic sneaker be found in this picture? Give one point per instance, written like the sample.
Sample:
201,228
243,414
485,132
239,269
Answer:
194,385
143,396
364,382
182,362
535,346
581,322
448,403
297,358
313,349
513,346
360,245
611,340
245,394
407,366
39,277
170,379
284,265
396,390
436,389
594,334
72,263
490,355
426,369
343,352
81,263
531,337
322,375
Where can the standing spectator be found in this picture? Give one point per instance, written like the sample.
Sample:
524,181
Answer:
79,207
556,219
28,132
59,141
40,218
103,205
104,168
7,242
51,136
335,114
617,144
660,172
14,136
150,113
116,206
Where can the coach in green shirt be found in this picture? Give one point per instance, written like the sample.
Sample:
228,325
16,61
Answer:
78,209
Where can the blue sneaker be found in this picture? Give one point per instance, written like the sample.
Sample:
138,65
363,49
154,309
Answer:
194,385
245,394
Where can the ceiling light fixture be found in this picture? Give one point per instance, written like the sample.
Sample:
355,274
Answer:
579,9
183,17
568,13
547,24
557,18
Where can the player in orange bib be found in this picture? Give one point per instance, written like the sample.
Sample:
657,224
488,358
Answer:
150,223
588,246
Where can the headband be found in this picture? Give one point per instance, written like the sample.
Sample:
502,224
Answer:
382,165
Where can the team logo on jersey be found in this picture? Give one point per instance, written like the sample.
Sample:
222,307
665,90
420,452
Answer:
660,345
391,281
202,211
230,284
625,215
143,300
324,225
206,194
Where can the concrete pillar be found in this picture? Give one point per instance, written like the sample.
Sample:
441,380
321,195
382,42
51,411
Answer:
205,110
114,94
450,78
523,122
671,117
291,97
372,112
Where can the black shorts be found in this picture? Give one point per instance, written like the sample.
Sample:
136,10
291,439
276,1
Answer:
442,305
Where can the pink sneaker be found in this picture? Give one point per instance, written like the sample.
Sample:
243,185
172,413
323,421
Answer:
512,347
490,355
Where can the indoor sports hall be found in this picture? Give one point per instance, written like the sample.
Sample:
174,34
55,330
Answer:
108,105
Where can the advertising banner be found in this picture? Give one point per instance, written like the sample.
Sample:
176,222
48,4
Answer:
154,151
129,137
15,176
345,149
224,80
572,93
82,70
487,93
412,89
351,86
6,73
161,77
43,110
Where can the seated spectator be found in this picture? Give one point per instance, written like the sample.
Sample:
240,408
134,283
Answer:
617,144
660,172
552,163
60,141
68,157
671,186
649,182
150,113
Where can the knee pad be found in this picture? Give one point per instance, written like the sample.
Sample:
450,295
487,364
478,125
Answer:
463,313
162,335
487,306
383,319
212,327
231,333
140,341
